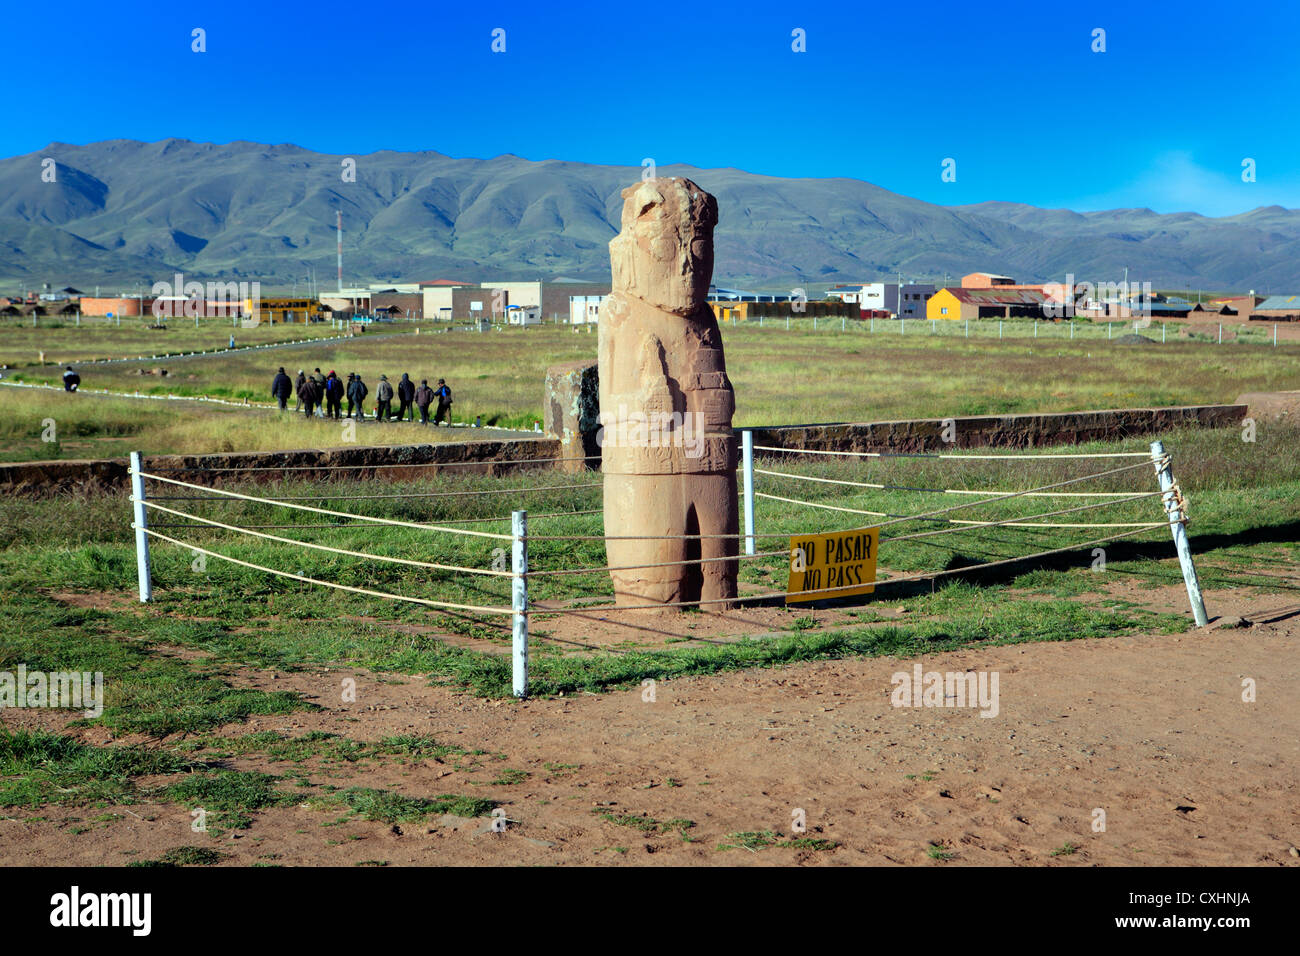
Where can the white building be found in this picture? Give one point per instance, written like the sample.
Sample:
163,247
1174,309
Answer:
524,314
584,309
884,297
869,295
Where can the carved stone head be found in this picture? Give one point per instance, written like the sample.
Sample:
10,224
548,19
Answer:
664,253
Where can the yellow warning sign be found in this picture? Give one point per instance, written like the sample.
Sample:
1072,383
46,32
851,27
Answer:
833,565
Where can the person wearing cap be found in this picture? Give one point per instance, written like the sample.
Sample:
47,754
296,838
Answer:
333,396
443,394
297,389
71,380
281,389
357,393
383,399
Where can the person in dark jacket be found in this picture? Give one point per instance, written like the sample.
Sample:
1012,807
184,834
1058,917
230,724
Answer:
423,399
357,393
319,379
281,388
443,394
310,394
333,396
383,399
71,380
297,389
405,395
347,391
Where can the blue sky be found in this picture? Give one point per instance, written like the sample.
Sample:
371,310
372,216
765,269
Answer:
1012,91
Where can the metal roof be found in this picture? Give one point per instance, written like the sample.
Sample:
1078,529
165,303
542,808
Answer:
1276,302
996,296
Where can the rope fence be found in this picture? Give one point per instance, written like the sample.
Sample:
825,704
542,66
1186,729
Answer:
325,511
947,457
330,584
1173,502
488,463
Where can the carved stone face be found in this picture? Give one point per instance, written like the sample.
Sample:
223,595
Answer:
664,253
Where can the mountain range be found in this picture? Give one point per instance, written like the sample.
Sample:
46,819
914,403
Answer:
124,212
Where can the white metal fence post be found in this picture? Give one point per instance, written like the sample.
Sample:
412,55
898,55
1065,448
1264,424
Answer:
1174,509
519,601
140,523
747,469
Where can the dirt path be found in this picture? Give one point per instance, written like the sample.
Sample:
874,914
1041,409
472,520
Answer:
1152,730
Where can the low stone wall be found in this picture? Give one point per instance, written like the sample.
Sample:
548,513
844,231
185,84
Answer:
38,479
999,431
387,462
396,462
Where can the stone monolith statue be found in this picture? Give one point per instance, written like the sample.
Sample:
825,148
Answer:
667,448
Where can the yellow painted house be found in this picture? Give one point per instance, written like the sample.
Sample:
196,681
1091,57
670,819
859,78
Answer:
943,305
994,303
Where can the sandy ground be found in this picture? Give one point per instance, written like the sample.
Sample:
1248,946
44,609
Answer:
1152,730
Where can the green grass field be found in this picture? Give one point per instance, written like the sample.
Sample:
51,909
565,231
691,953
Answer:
780,377
1242,503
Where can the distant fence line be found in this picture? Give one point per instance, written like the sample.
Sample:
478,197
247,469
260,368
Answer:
1022,328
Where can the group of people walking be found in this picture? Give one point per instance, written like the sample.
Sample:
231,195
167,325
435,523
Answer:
323,395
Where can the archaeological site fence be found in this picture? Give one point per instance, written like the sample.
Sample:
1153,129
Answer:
494,567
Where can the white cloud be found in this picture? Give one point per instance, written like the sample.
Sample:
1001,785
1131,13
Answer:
1175,182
